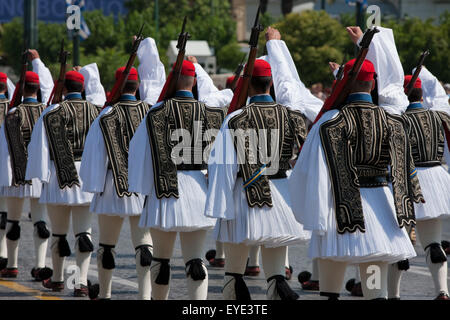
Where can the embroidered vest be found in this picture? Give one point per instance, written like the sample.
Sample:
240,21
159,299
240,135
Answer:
67,127
165,123
18,127
118,127
265,134
359,145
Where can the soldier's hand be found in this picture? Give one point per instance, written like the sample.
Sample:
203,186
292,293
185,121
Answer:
76,68
192,59
33,54
272,34
134,38
355,33
333,66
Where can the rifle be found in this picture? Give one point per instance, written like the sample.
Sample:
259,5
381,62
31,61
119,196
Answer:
57,92
120,83
237,74
18,92
410,85
170,86
241,92
343,86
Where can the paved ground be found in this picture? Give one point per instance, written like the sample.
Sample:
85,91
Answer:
416,283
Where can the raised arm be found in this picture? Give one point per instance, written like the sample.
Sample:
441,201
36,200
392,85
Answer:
434,95
95,93
151,71
390,76
289,89
45,77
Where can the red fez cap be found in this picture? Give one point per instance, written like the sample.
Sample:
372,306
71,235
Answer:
365,74
230,80
31,76
188,69
261,68
133,76
75,76
417,84
3,77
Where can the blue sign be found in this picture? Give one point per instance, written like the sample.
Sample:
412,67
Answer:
353,2
55,10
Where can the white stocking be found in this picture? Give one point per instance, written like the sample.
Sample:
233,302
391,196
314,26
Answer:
163,243
109,229
15,206
141,237
315,270
236,260
253,257
273,264
331,275
430,231
378,287
38,212
59,219
220,253
81,222
394,279
192,248
3,249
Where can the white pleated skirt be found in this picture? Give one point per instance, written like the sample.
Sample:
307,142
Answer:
383,240
435,185
183,214
268,226
53,194
23,191
108,202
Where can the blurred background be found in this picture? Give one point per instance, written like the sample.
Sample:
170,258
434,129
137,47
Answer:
313,30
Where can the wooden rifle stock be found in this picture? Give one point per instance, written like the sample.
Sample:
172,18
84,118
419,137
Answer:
116,91
241,93
410,85
343,86
18,92
170,86
57,93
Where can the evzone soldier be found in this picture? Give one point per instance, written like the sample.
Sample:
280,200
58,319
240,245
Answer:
354,214
250,198
5,93
175,187
428,129
210,95
104,171
14,139
55,151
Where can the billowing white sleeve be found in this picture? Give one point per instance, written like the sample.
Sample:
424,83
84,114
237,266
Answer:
208,92
151,71
222,174
289,89
38,165
45,79
446,152
434,95
11,88
310,183
140,164
384,56
94,162
5,160
95,93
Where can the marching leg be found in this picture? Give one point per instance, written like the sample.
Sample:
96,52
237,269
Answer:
163,243
143,245
430,234
81,224
109,229
15,206
59,219
40,237
196,272
378,287
274,269
3,249
394,279
331,275
253,268
234,287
